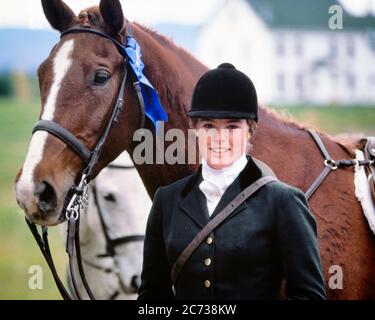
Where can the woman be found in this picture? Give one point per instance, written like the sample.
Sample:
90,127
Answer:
269,237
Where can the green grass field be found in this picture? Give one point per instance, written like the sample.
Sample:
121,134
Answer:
18,251
335,119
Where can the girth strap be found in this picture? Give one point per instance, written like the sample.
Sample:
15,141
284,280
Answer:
330,164
320,144
66,136
317,182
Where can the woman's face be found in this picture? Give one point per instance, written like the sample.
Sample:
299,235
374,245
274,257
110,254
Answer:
222,141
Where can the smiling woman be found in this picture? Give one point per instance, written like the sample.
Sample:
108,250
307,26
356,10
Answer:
202,242
223,141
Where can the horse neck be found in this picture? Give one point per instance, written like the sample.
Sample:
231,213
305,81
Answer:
174,73
290,151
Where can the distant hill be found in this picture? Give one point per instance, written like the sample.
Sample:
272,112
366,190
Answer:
24,49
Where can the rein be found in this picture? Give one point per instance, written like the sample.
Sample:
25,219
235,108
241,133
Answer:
79,196
111,243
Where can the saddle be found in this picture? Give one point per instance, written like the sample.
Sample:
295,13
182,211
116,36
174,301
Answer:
367,146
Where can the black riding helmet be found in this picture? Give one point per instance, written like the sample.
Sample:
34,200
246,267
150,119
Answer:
224,92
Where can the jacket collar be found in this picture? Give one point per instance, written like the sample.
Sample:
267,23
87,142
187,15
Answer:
248,175
194,201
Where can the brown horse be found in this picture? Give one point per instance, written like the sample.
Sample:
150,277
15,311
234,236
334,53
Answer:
72,97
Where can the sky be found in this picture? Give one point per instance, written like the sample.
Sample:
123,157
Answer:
143,11
29,14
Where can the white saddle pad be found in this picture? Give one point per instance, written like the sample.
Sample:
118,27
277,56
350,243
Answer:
362,192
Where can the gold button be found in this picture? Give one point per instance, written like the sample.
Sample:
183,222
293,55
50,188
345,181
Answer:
207,283
209,240
207,261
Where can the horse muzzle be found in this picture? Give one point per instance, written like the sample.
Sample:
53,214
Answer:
41,202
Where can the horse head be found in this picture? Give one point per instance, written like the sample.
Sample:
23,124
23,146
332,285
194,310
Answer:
112,230
79,85
124,213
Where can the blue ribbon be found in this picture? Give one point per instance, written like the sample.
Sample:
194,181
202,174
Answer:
153,108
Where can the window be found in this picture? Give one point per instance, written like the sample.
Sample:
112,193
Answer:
298,46
280,48
281,82
334,76
350,48
351,81
333,48
299,82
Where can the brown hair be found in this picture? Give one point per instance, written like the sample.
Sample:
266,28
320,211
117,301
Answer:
252,124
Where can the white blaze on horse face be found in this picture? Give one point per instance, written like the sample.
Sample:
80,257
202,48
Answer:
61,64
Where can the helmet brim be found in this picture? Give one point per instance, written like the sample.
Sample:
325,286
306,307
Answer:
221,114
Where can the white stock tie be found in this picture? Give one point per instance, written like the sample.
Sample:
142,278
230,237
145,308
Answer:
216,181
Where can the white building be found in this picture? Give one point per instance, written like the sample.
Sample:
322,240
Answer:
289,51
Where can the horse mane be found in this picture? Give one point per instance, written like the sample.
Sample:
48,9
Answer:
286,119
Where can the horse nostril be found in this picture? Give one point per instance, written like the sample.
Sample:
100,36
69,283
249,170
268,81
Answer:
136,282
46,195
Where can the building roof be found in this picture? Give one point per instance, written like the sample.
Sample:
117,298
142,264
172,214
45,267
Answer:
306,14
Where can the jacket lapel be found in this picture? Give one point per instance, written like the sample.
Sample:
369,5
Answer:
194,201
230,193
248,175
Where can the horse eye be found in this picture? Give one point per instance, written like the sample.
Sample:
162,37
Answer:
110,197
101,78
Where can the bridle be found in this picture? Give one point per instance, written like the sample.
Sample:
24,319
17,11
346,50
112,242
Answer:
111,243
78,194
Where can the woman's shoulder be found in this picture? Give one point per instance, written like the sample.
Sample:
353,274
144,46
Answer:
283,191
283,187
289,200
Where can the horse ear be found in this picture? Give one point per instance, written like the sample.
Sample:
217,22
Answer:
58,14
113,15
